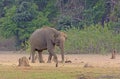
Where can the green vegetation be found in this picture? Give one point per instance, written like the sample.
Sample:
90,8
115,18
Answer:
93,39
7,72
22,17
88,23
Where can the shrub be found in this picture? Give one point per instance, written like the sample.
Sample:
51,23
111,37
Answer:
93,39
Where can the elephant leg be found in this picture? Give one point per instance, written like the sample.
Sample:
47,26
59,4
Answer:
49,58
62,53
62,56
55,56
33,56
51,51
40,57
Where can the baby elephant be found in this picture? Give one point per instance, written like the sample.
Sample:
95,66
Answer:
45,39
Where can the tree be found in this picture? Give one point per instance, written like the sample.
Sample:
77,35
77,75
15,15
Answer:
70,13
23,17
16,22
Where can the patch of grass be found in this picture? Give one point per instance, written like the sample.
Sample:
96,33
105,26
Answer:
8,72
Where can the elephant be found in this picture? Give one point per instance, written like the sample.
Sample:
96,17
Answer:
46,38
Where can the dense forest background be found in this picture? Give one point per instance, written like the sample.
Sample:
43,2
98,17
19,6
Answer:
91,25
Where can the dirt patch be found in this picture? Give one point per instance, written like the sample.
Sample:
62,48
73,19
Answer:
78,60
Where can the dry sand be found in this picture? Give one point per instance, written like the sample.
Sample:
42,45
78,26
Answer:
94,60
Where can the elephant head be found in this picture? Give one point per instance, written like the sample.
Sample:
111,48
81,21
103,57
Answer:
59,41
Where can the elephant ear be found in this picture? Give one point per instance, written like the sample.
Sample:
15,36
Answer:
60,35
57,34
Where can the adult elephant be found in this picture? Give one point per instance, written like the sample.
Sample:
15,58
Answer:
45,39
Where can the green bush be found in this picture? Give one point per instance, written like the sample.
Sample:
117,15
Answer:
93,39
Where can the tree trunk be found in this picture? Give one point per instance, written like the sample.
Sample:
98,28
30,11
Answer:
113,54
23,61
18,42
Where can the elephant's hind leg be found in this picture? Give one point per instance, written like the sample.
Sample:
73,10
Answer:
40,57
33,56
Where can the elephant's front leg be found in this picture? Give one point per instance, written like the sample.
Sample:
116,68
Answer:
62,53
55,56
50,48
49,58
62,56
40,57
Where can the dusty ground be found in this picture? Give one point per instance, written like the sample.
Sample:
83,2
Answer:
93,60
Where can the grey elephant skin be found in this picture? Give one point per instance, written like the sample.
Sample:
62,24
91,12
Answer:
47,38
